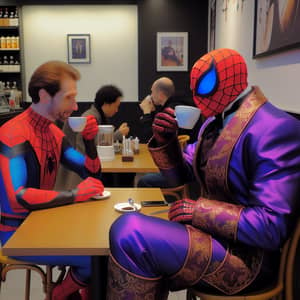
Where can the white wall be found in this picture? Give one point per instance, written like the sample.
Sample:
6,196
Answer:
278,75
114,44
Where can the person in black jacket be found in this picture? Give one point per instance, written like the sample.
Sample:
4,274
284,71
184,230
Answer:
162,96
162,92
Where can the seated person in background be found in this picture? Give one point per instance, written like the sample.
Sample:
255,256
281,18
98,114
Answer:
106,104
31,149
162,92
229,240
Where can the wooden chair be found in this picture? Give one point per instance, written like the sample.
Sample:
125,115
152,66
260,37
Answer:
283,287
183,139
7,264
178,192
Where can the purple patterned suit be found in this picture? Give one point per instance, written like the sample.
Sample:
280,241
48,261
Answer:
249,177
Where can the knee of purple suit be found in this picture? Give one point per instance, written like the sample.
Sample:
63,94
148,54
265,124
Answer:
148,246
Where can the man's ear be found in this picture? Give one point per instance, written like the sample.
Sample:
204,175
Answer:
44,96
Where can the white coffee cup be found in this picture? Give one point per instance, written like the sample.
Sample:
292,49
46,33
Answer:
77,123
187,116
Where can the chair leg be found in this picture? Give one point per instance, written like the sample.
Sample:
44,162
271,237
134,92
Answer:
27,285
49,282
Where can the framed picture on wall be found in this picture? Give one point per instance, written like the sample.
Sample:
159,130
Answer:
276,26
79,48
172,51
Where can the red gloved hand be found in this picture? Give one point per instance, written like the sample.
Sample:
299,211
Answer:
87,189
182,210
164,126
90,129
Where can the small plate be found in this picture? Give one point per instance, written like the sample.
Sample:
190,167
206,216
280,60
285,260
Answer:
125,207
105,194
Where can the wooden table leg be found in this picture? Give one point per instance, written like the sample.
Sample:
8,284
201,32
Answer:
99,277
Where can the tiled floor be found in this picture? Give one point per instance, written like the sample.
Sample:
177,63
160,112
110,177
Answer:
13,287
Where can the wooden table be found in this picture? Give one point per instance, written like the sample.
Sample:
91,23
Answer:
142,163
78,229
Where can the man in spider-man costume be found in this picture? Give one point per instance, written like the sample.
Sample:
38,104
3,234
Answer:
247,163
31,148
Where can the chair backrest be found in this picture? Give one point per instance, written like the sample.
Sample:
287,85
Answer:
178,192
183,139
289,281
285,280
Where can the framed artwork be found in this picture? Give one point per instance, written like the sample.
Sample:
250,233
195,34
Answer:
276,26
79,48
172,51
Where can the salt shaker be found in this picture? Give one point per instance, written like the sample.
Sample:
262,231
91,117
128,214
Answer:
136,148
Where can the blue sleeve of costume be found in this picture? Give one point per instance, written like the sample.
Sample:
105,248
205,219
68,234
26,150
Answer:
73,159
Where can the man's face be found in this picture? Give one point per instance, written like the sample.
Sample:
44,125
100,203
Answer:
155,95
112,108
63,103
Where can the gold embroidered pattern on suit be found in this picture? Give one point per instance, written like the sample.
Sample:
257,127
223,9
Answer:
237,271
219,156
197,260
217,218
123,285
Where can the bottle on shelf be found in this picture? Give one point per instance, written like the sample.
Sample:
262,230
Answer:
5,17
3,101
6,90
3,42
8,42
13,42
1,16
16,95
14,18
11,60
12,99
5,60
17,42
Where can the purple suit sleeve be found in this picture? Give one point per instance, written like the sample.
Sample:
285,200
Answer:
274,186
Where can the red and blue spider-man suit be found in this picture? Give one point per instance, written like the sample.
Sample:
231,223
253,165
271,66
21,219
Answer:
247,164
31,147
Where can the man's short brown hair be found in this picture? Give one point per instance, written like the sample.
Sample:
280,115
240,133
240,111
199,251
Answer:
48,76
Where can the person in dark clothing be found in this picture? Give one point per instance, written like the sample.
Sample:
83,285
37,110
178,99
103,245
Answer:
162,96
162,92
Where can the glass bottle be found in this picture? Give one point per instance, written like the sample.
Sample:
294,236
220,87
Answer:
3,42
8,42
5,60
5,13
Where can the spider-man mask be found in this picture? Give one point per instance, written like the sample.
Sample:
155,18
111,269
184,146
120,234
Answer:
217,78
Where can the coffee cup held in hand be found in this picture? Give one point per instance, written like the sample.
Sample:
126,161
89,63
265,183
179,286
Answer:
187,116
77,123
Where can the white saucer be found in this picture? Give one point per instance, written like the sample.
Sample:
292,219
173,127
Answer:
105,194
125,207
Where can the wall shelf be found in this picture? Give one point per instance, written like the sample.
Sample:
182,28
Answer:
10,49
